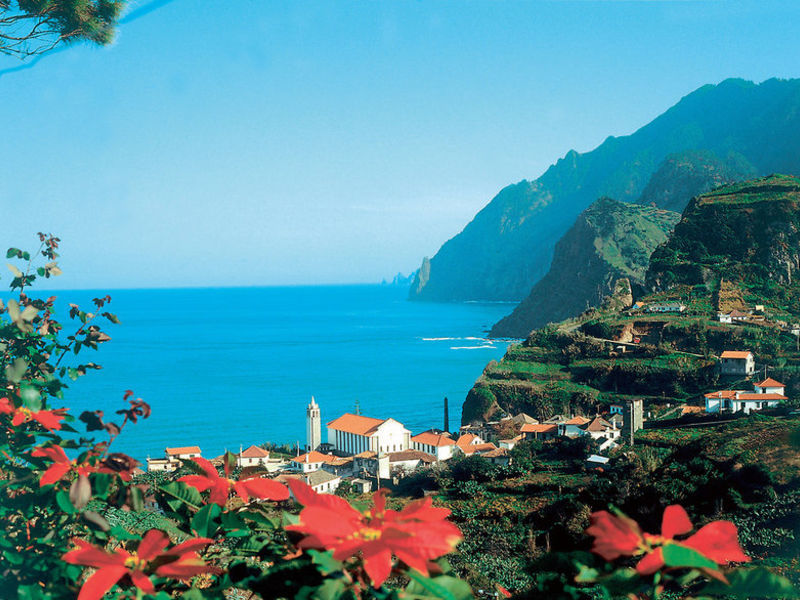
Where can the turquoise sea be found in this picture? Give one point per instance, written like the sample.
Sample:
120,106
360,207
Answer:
224,367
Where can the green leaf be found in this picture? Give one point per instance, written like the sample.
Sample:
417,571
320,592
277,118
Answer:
30,592
676,555
325,561
193,594
64,503
12,252
331,589
137,498
182,493
203,521
234,522
752,583
445,587
101,483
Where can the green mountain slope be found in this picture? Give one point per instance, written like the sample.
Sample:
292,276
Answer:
609,240
509,244
738,244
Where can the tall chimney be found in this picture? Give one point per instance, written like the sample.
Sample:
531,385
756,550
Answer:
446,415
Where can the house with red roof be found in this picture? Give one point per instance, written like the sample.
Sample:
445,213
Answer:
252,457
766,394
352,434
439,445
310,461
539,431
741,363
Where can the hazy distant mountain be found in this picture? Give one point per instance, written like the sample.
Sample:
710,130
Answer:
508,246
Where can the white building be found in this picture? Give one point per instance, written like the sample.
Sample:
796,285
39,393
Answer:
182,453
353,434
734,362
252,457
313,426
310,461
323,482
766,394
600,429
439,445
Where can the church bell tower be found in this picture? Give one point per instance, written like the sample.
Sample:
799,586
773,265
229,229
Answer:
313,426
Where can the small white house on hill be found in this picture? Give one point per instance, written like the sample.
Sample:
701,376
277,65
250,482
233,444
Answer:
737,362
439,445
766,394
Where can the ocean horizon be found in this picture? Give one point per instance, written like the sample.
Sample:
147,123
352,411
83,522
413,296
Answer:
229,367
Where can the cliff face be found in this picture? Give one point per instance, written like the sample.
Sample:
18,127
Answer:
609,240
685,175
745,234
509,244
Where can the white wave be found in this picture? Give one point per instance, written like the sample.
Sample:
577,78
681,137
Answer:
489,347
453,339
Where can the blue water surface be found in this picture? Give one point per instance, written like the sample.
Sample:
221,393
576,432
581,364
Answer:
237,366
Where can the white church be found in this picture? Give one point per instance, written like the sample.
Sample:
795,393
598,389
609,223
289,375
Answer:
353,434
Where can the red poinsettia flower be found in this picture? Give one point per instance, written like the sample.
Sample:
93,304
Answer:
61,465
617,535
220,487
179,562
417,534
49,419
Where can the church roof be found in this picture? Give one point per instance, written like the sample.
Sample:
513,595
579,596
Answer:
356,424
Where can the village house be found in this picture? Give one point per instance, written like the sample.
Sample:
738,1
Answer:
498,456
402,463
509,444
664,307
172,458
322,481
600,429
438,444
310,461
340,465
371,464
573,427
539,431
252,457
351,434
766,394
361,486
739,363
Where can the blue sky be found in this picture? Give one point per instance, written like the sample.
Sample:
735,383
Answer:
268,143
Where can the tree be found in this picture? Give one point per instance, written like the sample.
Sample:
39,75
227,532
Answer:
31,27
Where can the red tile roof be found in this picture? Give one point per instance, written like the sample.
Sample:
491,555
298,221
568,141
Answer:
736,354
770,382
356,424
538,428
731,395
255,452
314,457
577,420
184,450
466,440
473,448
366,454
496,453
433,439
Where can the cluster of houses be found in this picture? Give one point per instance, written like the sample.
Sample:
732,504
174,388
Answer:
365,451
658,307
